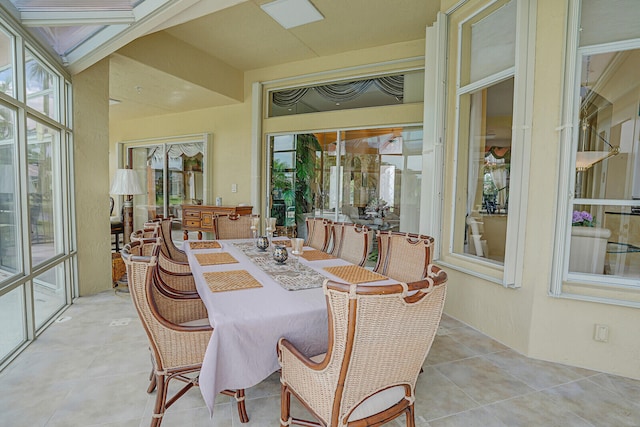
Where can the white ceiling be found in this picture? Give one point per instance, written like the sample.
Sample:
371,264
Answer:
237,32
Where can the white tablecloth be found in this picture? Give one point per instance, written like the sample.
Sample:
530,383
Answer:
249,322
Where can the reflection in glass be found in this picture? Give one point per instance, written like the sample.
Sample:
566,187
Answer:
366,176
42,87
44,189
342,95
48,294
171,175
9,237
481,228
608,136
6,63
12,321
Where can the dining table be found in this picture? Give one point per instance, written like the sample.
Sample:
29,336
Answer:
252,301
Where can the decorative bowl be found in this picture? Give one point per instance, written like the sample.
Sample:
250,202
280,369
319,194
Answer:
280,254
262,243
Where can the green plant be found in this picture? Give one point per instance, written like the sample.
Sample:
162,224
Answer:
306,148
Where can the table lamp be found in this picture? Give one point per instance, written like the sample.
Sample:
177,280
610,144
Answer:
126,183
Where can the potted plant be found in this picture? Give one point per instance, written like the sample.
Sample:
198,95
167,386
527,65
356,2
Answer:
588,244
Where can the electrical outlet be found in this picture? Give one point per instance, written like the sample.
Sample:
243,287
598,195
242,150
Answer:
601,333
234,188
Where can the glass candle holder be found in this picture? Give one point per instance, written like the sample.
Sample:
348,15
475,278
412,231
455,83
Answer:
255,221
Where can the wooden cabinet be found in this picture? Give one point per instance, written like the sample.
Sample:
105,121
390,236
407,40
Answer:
200,217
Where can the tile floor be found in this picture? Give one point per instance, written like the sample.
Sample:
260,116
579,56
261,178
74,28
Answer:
91,369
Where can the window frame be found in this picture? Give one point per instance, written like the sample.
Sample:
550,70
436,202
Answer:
65,257
565,284
509,274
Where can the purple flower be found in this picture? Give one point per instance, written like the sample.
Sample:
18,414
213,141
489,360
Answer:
583,218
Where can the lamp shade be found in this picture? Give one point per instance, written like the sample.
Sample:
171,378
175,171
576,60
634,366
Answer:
586,159
125,183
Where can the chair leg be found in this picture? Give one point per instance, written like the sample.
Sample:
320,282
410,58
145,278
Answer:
152,384
161,398
242,409
285,406
411,420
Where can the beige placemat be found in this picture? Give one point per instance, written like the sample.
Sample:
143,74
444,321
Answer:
315,255
221,281
354,274
204,245
286,243
215,258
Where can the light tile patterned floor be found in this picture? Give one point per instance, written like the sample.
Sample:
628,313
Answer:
92,370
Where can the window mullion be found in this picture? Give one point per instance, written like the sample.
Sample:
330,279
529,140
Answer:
521,151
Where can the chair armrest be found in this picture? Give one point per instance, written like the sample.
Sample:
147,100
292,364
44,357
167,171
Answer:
285,345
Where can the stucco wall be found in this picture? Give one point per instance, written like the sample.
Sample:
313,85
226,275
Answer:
91,148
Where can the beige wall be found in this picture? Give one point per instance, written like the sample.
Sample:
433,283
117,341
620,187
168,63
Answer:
231,125
91,137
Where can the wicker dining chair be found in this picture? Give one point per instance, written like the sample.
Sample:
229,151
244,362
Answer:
351,242
379,338
169,248
177,331
318,231
403,256
176,277
233,226
149,231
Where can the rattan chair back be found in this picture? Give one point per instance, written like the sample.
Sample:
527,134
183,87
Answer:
379,338
169,248
403,256
351,242
233,226
318,230
150,230
176,277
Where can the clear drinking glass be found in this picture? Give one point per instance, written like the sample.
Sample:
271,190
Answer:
271,227
296,249
254,226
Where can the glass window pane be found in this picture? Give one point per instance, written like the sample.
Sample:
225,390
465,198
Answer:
10,262
483,179
148,162
376,91
605,240
42,87
608,21
7,66
283,143
608,156
284,160
43,144
493,41
12,321
49,294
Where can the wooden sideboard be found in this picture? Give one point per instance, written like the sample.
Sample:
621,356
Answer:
200,217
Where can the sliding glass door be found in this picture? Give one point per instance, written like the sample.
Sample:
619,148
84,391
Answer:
365,176
171,175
